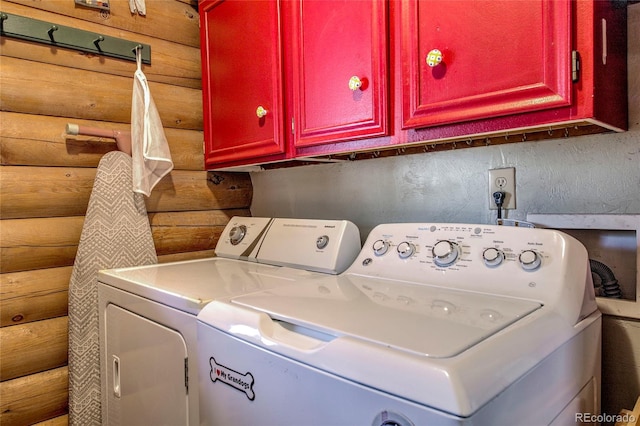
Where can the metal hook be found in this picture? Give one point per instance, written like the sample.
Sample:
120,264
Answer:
51,31
135,49
97,42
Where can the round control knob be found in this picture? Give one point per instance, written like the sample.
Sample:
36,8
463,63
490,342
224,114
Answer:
380,247
529,260
261,112
322,242
434,57
355,83
406,250
236,234
492,257
445,253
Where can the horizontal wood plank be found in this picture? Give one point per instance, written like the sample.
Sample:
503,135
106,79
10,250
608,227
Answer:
21,346
56,421
39,243
34,398
32,192
34,295
165,19
77,95
28,244
191,255
171,62
186,190
40,140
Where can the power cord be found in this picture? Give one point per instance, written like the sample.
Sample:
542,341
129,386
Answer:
498,198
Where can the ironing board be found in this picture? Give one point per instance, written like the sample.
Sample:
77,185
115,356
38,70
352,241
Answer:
116,233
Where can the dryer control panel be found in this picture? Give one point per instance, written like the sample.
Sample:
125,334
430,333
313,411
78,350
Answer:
242,236
318,245
536,264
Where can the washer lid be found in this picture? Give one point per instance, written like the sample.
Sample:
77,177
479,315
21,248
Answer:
425,320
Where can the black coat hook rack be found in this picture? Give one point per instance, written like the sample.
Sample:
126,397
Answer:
71,38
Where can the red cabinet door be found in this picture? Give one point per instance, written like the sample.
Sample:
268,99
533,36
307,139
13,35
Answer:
331,42
241,72
498,58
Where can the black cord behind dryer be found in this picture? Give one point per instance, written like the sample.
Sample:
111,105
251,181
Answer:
609,283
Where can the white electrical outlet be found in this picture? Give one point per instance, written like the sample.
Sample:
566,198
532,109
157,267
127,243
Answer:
503,180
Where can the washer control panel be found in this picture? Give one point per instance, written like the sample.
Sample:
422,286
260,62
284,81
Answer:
524,262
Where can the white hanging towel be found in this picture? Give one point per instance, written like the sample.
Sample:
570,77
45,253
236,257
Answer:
149,147
138,6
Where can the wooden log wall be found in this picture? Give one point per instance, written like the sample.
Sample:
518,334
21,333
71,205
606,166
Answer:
46,177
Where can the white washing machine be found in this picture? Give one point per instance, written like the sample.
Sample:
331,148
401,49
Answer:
148,314
433,324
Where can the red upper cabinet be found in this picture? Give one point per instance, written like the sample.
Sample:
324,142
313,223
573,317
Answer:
338,52
242,72
467,60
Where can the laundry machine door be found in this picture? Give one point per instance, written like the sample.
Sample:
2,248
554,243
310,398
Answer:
145,381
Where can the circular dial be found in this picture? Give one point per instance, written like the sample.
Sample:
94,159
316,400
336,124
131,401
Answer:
380,247
529,260
492,256
322,241
406,250
237,233
445,253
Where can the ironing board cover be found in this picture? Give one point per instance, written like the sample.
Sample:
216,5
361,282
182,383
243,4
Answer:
116,233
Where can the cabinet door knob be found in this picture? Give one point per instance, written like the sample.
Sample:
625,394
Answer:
434,58
261,112
355,83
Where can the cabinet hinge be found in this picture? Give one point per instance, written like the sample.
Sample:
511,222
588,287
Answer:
293,126
186,375
575,66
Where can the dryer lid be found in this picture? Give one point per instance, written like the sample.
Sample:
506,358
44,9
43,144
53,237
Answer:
190,285
421,319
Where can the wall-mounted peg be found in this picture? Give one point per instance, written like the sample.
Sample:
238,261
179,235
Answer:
51,31
60,36
97,41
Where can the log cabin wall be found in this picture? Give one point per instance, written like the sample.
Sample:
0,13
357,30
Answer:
46,177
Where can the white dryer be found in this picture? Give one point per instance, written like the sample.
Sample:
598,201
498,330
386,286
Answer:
148,314
433,324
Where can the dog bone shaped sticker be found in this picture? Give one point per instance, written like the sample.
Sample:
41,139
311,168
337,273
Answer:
242,382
